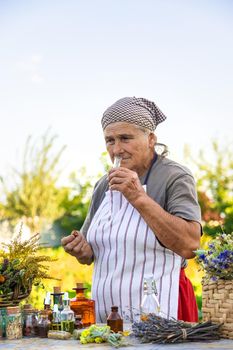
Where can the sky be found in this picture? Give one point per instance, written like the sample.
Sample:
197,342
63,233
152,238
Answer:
62,63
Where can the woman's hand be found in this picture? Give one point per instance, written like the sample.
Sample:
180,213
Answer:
76,245
127,182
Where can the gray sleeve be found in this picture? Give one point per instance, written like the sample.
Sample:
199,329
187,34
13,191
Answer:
182,198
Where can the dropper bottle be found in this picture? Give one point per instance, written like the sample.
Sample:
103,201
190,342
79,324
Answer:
67,315
56,323
47,306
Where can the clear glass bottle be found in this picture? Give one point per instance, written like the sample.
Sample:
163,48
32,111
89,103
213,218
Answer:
114,320
30,321
150,302
83,306
56,322
57,297
13,322
44,324
67,315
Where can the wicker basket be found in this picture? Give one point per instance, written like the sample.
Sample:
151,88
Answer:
15,297
217,305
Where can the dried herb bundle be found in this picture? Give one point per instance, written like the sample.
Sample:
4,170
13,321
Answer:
156,329
21,264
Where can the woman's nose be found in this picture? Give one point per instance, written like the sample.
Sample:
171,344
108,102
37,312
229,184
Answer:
117,148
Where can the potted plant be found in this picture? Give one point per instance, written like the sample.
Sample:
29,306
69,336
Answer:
21,266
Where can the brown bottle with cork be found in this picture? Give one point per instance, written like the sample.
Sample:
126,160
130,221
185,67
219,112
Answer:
83,306
114,320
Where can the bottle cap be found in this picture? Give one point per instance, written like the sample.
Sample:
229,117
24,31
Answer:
47,300
11,310
56,290
114,308
79,285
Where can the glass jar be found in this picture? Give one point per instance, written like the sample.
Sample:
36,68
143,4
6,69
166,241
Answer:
13,322
30,322
44,324
83,306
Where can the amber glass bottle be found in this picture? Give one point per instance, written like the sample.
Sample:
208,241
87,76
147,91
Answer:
114,320
83,306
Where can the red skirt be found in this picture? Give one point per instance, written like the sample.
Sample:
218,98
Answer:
187,305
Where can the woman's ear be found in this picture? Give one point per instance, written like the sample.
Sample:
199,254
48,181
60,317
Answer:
152,140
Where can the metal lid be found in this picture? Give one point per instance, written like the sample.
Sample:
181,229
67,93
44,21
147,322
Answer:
11,310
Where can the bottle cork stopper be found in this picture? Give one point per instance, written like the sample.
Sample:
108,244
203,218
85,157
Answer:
56,290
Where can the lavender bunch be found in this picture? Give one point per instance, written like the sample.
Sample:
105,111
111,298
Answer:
217,259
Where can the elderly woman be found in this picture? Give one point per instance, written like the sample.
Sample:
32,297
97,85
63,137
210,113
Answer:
144,218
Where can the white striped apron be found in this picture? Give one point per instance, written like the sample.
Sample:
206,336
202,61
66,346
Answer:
125,250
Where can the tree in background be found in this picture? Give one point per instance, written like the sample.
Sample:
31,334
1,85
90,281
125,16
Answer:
37,199
215,188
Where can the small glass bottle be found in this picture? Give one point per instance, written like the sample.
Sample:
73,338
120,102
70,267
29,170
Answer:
13,323
114,320
57,297
150,303
67,315
83,306
30,321
44,324
78,322
47,306
56,323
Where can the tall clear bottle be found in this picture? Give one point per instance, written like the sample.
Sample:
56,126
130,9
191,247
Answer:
150,303
67,315
56,322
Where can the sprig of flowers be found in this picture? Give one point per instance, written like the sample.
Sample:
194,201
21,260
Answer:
21,264
217,259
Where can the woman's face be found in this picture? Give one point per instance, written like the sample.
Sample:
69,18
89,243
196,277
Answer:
134,146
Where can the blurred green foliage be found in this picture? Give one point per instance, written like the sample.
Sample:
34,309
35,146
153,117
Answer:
215,187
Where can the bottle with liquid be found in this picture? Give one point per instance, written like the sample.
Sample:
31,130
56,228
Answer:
150,303
78,322
44,324
57,297
47,306
114,320
67,315
30,321
56,322
83,306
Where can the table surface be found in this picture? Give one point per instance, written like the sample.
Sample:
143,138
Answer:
46,344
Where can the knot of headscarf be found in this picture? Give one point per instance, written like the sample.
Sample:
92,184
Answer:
138,111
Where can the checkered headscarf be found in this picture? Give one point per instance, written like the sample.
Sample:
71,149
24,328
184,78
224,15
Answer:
133,110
